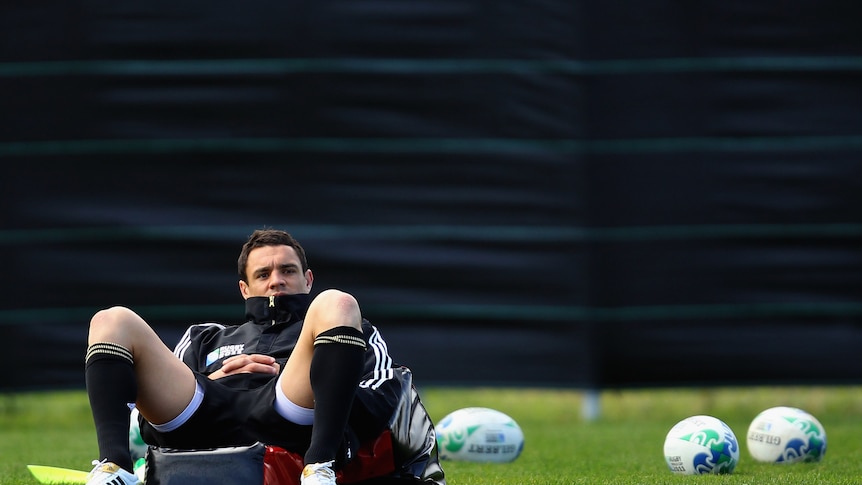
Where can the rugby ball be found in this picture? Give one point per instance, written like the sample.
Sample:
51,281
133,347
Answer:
786,434
700,445
137,447
479,434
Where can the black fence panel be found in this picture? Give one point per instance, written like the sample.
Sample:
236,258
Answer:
548,193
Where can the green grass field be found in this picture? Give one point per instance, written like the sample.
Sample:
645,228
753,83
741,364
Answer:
623,446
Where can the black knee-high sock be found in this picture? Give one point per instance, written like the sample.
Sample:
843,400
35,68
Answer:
111,385
336,368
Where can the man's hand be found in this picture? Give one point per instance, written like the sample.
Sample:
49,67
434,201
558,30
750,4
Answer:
246,364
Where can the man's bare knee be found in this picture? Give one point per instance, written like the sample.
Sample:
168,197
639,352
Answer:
338,298
111,324
333,308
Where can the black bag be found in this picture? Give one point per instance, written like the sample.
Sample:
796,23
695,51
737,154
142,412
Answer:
236,464
414,440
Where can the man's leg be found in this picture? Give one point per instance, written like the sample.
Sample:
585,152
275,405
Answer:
325,368
127,362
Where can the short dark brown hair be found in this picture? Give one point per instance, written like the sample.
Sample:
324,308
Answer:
268,237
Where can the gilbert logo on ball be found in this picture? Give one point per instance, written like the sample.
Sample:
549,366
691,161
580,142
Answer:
479,434
699,445
786,434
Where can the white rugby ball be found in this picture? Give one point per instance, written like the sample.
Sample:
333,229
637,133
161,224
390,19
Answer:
700,445
786,434
479,434
137,447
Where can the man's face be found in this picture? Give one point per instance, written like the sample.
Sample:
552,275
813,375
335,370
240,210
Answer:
274,270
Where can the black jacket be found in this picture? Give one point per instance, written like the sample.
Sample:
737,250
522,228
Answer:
272,329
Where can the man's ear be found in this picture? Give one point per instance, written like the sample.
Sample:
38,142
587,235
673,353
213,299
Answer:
243,289
309,279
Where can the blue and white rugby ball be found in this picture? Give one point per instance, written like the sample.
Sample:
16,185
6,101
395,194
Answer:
785,434
480,435
700,445
137,447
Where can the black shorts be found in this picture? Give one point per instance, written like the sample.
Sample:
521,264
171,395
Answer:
229,416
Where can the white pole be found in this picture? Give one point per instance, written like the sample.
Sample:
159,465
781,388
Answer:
592,406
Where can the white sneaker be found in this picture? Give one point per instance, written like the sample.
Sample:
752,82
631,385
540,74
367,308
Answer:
317,474
107,473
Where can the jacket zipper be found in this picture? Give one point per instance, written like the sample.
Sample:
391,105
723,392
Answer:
272,308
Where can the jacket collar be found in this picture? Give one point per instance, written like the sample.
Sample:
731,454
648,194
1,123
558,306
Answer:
277,309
